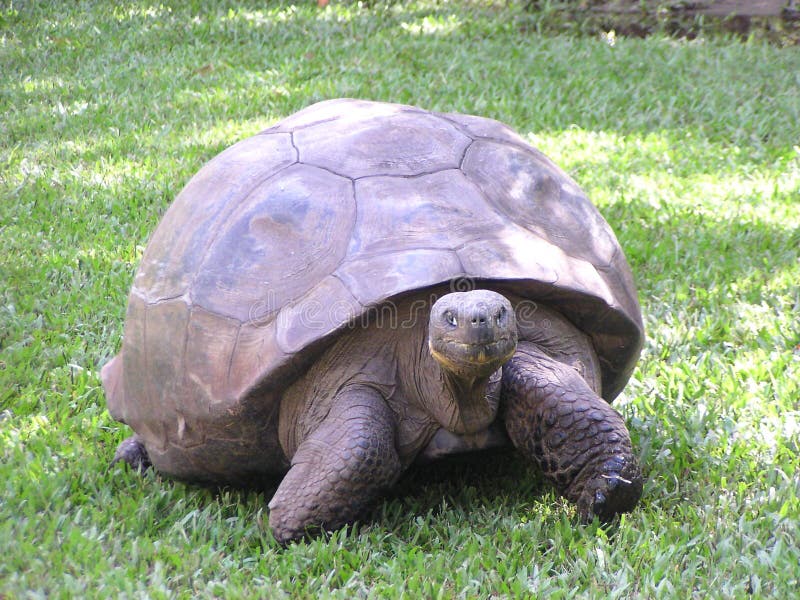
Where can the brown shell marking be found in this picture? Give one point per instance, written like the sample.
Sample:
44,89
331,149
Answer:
181,240
290,232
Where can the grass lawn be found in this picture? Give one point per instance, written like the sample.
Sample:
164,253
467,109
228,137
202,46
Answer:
690,149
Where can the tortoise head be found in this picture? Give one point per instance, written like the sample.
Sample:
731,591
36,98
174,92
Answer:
472,334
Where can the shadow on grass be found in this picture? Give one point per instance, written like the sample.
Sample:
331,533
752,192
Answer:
467,478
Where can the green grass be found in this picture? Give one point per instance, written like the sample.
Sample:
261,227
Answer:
691,151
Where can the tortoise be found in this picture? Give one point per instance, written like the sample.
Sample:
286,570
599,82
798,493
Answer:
365,286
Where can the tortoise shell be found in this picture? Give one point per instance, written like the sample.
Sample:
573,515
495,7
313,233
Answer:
285,238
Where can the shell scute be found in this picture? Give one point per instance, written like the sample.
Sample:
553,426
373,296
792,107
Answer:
179,243
328,306
209,347
531,191
374,279
398,213
290,232
331,110
402,143
481,127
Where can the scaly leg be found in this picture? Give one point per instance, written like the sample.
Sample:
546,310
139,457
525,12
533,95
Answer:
340,469
580,442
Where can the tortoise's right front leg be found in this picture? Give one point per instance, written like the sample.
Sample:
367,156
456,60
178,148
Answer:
340,469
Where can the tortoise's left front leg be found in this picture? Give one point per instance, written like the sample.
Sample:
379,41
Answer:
581,443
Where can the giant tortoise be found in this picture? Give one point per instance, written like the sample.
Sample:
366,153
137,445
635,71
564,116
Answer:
366,285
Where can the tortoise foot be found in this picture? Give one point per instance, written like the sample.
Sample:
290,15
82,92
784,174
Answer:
615,489
339,470
579,441
133,452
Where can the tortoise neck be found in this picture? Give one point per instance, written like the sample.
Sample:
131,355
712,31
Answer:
466,406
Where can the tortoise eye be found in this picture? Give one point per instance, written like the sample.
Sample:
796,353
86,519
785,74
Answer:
501,314
450,318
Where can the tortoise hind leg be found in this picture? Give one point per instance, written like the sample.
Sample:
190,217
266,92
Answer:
340,469
133,452
581,443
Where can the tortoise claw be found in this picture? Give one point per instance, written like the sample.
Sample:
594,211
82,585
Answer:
599,506
610,493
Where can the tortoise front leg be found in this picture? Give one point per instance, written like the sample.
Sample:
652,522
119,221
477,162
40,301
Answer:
580,442
340,469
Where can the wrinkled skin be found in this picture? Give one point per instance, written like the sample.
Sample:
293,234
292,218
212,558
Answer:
381,397
578,440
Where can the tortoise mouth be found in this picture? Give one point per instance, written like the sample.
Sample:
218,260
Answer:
460,356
